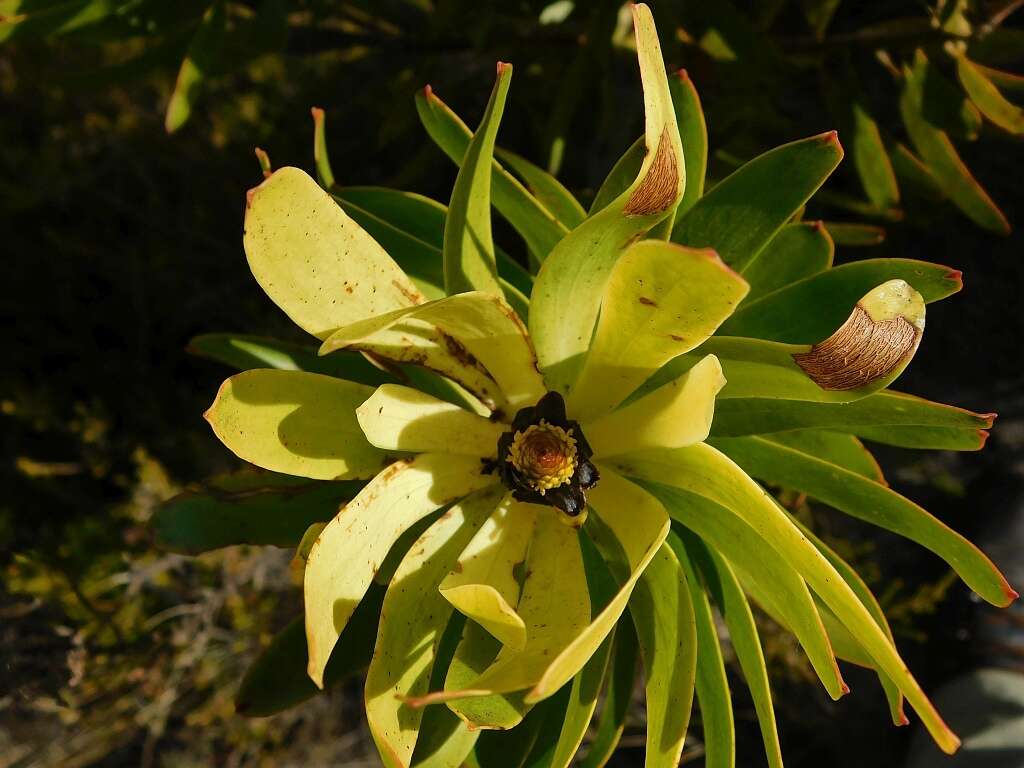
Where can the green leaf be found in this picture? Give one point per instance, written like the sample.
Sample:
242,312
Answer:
528,216
912,421
703,470
203,54
641,326
617,696
277,679
765,575
867,500
937,151
350,549
586,686
942,103
55,18
412,622
693,134
724,588
842,450
799,250
296,423
712,684
854,235
469,262
246,352
546,188
255,508
857,584
321,158
740,215
867,150
987,98
621,176
916,175
410,227
1010,82
932,438
567,294
663,614
807,311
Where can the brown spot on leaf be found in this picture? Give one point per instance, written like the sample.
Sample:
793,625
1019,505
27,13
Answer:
659,189
676,337
647,302
414,296
860,352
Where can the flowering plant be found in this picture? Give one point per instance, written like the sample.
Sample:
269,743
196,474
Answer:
548,476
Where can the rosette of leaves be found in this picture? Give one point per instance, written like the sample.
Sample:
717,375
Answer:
552,475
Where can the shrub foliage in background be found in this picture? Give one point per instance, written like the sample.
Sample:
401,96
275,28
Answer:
548,477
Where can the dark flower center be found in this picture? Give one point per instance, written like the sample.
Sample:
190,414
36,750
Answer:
545,459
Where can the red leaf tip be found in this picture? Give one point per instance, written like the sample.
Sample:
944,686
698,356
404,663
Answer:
503,66
428,91
1012,593
317,112
682,74
982,438
955,275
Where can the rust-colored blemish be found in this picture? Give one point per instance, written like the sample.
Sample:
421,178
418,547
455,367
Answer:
676,337
249,196
860,352
647,302
659,189
414,296
458,350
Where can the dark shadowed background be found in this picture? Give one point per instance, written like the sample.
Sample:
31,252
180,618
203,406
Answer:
121,242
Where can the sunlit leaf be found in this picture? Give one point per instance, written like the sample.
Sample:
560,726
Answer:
987,98
617,696
296,423
469,262
567,294
850,492
546,188
711,683
693,134
660,301
413,619
350,549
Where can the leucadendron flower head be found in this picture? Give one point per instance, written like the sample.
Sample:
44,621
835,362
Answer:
526,483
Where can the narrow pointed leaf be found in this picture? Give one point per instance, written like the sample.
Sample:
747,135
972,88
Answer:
987,98
618,695
621,176
296,423
809,310
546,188
798,251
916,175
259,510
344,559
660,301
528,216
764,194
723,586
567,294
765,575
412,623
836,448
869,501
854,235
704,470
202,55
662,611
711,682
937,151
890,417
245,352
693,134
857,584
469,262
